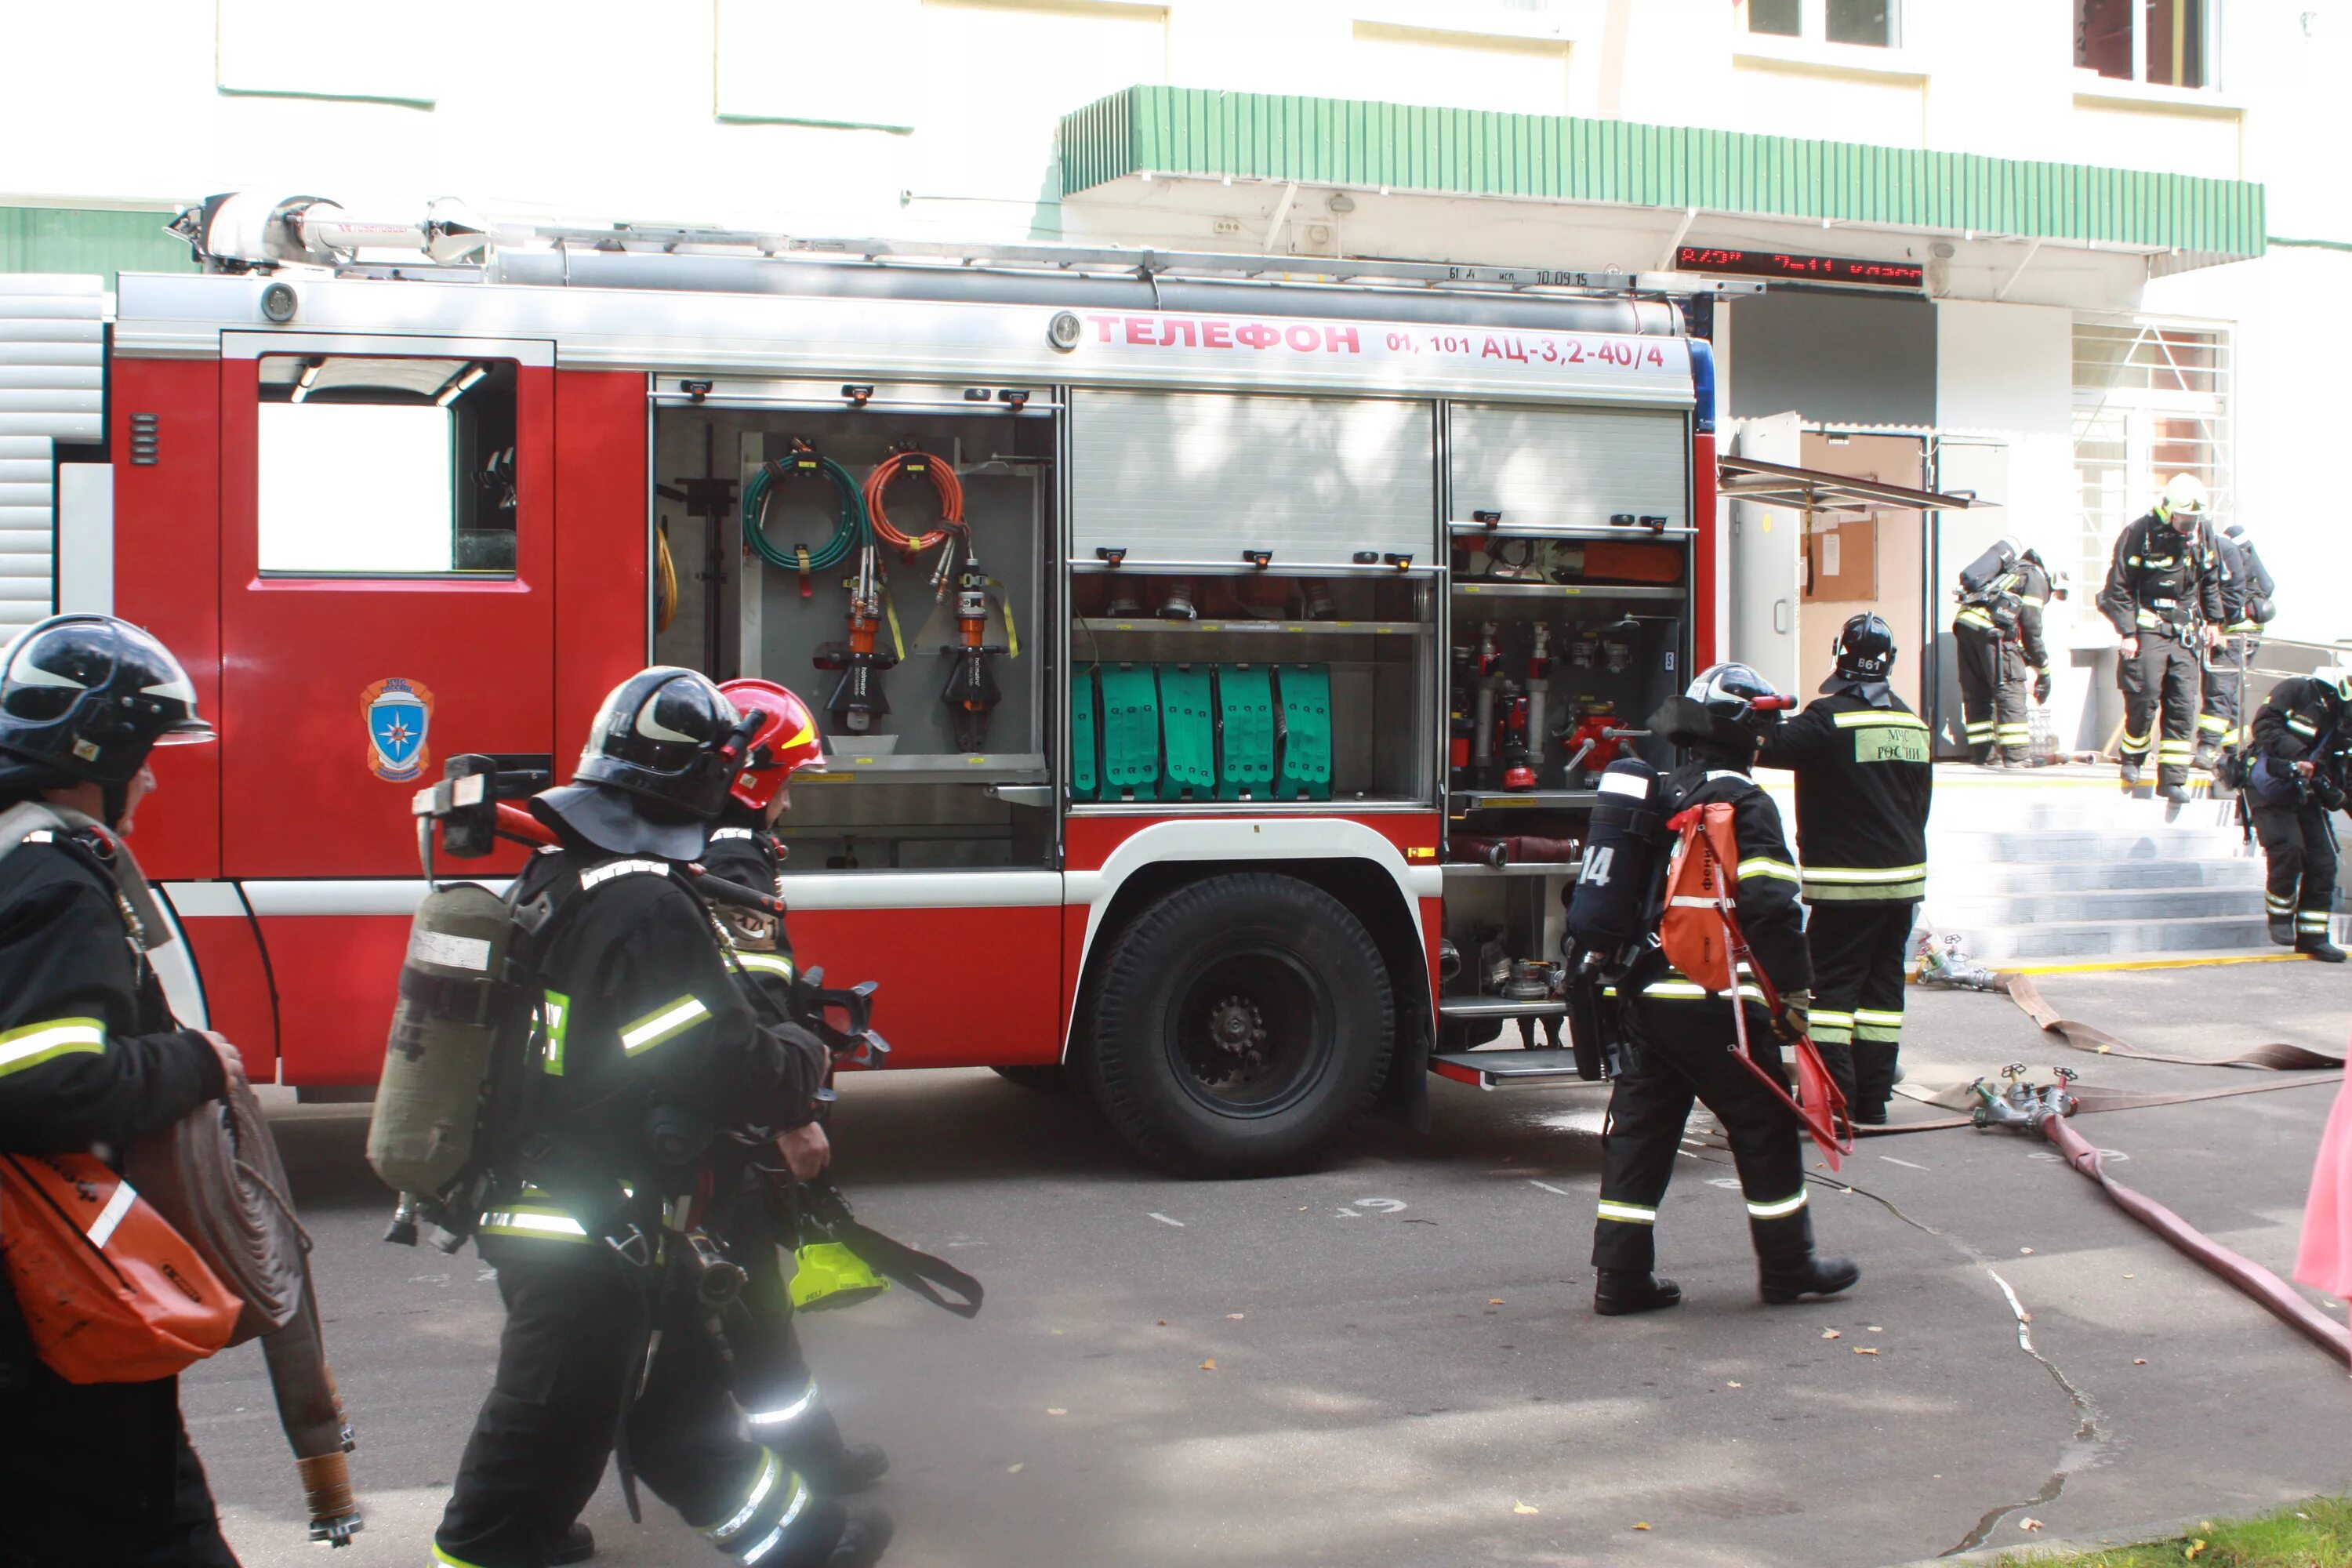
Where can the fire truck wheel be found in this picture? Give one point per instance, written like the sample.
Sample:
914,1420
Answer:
1050,1077
1239,1023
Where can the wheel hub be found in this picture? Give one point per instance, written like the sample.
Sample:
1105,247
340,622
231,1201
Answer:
1236,1040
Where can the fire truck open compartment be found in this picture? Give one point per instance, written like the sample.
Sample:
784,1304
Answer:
901,795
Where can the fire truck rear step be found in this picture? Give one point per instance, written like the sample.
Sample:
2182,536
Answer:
1508,1067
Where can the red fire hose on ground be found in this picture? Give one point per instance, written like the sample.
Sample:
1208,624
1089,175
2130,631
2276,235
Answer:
2028,1108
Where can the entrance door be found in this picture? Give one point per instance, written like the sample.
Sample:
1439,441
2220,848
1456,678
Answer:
387,587
1767,558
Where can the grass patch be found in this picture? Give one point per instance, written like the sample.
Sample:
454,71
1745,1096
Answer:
2313,1534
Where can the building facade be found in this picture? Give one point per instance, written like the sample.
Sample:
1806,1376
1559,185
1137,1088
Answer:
2045,252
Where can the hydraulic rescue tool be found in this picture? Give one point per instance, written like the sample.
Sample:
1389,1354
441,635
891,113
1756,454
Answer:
857,700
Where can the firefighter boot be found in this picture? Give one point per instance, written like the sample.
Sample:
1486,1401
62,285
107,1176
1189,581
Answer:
2317,946
862,1540
2283,929
1618,1291
577,1546
2131,773
815,1450
1788,1270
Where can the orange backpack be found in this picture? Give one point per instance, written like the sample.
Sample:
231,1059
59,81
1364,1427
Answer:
109,1291
1702,896
1699,934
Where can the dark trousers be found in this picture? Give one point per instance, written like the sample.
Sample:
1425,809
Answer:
2160,687
574,1335
1858,951
2217,718
1996,694
1681,1054
101,1476
2301,853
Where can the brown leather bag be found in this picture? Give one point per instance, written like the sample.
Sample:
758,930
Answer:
109,1291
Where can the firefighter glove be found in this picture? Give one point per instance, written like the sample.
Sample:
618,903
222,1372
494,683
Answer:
1794,1021
2040,686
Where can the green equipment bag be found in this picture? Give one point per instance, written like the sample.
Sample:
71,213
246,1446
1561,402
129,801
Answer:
436,1066
1086,751
1131,731
1187,728
829,1274
1306,732
1245,705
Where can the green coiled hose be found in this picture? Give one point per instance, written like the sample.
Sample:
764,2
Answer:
851,526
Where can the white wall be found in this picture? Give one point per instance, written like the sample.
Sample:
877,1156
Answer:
2294,338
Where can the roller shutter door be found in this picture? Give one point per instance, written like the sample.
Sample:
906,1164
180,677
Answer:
1202,477
1569,467
52,344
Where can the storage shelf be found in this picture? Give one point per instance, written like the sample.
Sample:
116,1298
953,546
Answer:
1568,591
928,767
1632,532
1470,871
1531,799
1152,625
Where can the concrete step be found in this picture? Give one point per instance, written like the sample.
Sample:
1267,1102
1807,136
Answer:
1955,876
2112,938
2043,845
2113,905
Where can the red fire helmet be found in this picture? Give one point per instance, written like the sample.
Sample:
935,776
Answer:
786,742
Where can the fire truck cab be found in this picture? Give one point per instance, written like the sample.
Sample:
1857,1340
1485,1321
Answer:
1215,667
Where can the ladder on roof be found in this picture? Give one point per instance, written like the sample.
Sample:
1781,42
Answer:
1122,260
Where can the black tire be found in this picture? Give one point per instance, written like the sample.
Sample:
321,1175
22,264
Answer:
1050,1077
1238,1024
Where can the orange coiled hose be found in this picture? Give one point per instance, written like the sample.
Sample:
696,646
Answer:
943,480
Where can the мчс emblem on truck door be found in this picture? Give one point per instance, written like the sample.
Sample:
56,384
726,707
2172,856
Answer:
398,714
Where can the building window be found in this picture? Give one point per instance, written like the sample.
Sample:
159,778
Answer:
2166,43
2151,400
386,467
1866,22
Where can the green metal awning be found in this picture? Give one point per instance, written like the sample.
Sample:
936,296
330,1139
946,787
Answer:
1194,132
89,239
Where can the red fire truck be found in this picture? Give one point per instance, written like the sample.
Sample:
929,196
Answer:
1244,647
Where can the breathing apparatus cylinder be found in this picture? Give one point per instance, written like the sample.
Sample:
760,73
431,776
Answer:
1980,573
1609,904
421,1134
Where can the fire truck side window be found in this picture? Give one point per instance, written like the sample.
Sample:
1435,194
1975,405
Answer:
373,467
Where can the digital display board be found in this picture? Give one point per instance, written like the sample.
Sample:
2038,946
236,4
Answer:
1807,269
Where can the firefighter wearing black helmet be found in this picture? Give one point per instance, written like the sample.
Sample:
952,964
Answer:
646,1052
91,1055
2163,597
1864,782
2302,737
1682,1037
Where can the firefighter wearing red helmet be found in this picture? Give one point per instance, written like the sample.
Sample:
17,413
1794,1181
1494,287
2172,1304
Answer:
779,1394
90,1053
654,1074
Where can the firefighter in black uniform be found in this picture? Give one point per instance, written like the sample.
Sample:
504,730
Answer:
2163,597
2300,741
648,1054
2247,607
1863,781
91,1055
2004,661
1682,1037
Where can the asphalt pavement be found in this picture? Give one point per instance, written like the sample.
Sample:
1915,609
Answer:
1393,1360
